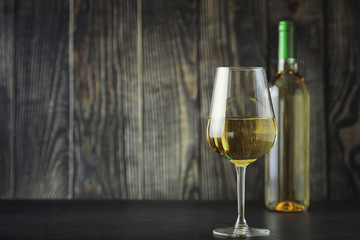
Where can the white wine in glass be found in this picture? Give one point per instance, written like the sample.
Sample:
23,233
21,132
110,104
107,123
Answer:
241,128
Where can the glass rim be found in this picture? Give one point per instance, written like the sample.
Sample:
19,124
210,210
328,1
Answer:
242,68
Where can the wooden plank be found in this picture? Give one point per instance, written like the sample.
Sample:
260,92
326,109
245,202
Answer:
231,33
6,97
343,90
308,16
41,99
170,96
106,99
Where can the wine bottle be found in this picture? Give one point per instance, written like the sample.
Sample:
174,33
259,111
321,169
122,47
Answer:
287,164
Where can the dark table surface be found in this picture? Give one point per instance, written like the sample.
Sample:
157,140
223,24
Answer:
168,220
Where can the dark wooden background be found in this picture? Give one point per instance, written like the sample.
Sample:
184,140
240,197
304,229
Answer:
109,99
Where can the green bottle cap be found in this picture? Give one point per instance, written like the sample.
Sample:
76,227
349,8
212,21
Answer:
287,42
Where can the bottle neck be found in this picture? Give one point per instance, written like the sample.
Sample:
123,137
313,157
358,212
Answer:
289,64
287,46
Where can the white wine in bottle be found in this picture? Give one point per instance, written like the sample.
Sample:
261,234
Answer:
287,164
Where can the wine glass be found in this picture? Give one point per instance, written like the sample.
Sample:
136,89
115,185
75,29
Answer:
241,128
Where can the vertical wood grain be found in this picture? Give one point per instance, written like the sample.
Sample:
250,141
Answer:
71,101
140,89
6,98
308,16
41,98
231,33
106,99
343,106
170,93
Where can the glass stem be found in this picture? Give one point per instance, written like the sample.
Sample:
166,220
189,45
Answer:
241,222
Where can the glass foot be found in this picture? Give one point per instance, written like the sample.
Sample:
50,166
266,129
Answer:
240,232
